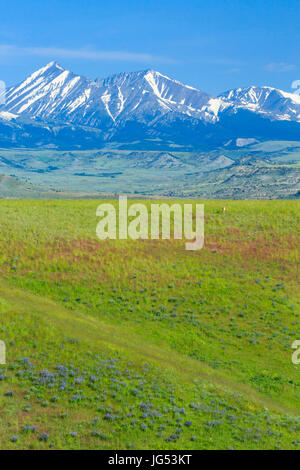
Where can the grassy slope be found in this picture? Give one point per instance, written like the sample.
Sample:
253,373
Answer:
160,348
11,187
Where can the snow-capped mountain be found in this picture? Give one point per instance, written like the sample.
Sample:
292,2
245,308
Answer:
49,93
54,106
271,102
54,93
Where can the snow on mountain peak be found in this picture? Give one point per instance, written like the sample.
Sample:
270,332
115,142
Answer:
265,100
53,67
7,116
51,64
54,93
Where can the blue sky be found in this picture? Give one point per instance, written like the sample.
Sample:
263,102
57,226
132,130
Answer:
213,45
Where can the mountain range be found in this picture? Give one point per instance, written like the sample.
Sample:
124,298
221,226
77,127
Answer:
56,108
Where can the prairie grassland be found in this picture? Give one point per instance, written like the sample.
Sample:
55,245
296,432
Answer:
141,344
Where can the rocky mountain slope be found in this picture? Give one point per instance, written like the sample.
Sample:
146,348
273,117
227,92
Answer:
54,106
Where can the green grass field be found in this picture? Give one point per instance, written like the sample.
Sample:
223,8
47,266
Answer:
141,344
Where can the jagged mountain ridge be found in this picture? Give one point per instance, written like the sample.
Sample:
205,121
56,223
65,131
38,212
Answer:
55,106
54,93
271,102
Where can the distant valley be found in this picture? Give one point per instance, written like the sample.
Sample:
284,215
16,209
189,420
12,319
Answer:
269,170
142,133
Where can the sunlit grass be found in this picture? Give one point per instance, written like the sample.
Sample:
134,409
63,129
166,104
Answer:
209,332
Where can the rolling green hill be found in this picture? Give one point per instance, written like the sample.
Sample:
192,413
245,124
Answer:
141,344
